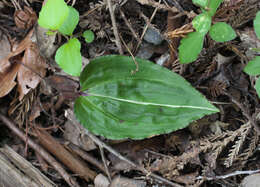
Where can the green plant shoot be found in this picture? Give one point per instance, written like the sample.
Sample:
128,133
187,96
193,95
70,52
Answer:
253,66
191,46
56,15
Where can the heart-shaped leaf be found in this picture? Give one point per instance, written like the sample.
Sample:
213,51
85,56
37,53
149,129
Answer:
71,22
89,36
253,66
191,47
122,105
257,24
53,14
222,32
202,23
68,57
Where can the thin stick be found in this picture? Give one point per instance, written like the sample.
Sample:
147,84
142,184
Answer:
229,175
146,27
129,26
115,30
104,162
133,57
50,159
143,170
245,112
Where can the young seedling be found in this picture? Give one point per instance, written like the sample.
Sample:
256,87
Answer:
253,66
192,44
57,16
114,102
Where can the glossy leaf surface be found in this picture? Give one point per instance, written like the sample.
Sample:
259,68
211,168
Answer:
53,14
202,23
122,105
222,32
71,22
257,24
253,66
68,57
190,47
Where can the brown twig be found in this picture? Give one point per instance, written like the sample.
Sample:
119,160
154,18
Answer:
140,168
50,159
115,30
129,26
245,112
83,154
148,22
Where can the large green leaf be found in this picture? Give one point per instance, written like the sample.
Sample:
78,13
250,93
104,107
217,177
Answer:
53,14
213,6
71,22
222,32
202,23
68,57
122,105
191,47
257,24
253,66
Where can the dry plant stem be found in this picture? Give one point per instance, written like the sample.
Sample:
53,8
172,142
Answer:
104,162
244,111
133,57
71,161
83,154
129,25
230,175
115,30
148,22
143,170
50,159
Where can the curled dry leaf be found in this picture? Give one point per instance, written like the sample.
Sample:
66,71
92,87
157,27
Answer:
31,71
25,19
28,68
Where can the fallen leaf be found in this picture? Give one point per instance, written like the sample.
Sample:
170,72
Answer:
31,71
7,82
5,49
25,19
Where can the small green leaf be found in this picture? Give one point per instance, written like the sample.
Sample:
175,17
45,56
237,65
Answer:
190,47
122,105
201,3
53,14
213,6
71,22
253,66
257,87
222,32
202,23
257,24
89,36
68,57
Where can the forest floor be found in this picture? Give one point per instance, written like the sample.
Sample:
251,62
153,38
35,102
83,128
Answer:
36,106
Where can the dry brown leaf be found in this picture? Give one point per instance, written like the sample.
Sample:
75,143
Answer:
25,19
5,49
7,82
32,68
